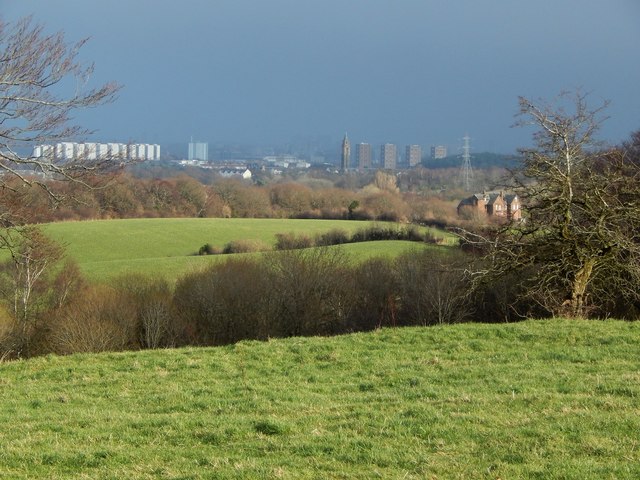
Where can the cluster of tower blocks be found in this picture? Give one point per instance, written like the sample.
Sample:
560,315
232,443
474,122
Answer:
69,151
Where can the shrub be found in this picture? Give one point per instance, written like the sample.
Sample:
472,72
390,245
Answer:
388,232
412,233
208,249
384,206
292,198
433,288
336,236
506,299
154,315
291,241
245,246
225,303
32,286
429,237
311,291
375,295
101,319
9,339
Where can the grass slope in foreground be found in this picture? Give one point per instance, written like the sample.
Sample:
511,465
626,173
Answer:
551,399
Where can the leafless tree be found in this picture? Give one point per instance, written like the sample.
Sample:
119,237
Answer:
99,321
581,206
155,320
386,182
434,288
29,262
42,85
375,295
23,282
311,292
151,298
36,69
224,303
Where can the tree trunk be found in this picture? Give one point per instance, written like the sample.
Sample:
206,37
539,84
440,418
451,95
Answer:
579,287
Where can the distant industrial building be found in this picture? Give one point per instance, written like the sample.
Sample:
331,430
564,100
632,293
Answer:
438,152
71,151
413,155
364,155
346,154
388,156
198,151
285,161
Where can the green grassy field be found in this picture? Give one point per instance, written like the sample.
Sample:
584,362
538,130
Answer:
166,247
172,267
539,399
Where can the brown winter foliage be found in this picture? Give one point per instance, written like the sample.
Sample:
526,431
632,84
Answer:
287,293
126,196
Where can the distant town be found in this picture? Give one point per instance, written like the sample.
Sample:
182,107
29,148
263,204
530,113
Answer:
241,161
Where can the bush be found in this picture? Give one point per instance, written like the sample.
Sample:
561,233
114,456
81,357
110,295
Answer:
388,232
9,336
208,249
154,314
375,295
245,246
101,319
225,303
383,206
433,288
291,241
429,237
507,299
311,292
336,236
412,233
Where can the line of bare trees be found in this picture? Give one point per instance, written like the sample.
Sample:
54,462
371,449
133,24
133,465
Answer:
290,293
126,196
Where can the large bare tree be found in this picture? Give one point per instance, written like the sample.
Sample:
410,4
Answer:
42,84
575,248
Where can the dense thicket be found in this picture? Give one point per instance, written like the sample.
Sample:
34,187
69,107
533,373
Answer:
290,293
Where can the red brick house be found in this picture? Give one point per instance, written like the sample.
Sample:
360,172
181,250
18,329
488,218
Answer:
493,204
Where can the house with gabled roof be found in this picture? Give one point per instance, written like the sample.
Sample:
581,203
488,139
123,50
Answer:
492,204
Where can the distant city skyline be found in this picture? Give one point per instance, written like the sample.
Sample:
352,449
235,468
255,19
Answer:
275,73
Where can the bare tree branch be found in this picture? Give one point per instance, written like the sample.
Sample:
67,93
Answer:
42,84
581,204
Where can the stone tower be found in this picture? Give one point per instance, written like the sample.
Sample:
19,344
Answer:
346,154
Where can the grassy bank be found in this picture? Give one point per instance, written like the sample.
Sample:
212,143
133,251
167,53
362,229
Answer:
540,399
172,267
107,248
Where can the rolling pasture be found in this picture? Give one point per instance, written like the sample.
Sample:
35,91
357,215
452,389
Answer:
167,247
537,399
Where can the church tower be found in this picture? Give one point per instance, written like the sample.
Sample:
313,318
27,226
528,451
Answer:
346,153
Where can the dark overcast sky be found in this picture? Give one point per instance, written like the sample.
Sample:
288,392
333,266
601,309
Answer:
403,71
